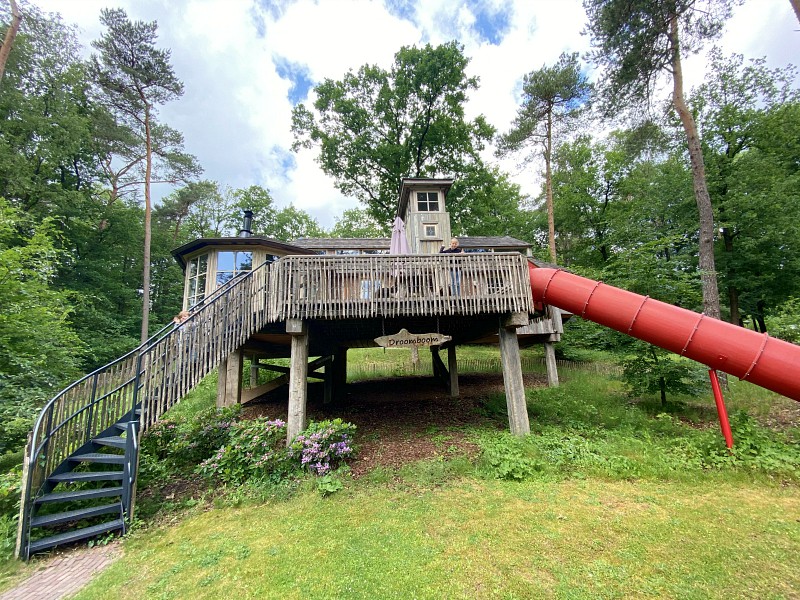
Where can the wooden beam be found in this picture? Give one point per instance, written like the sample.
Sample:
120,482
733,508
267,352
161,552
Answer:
512,377
298,379
222,374
253,372
233,379
550,361
451,362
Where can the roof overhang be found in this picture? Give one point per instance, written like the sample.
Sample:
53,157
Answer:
279,248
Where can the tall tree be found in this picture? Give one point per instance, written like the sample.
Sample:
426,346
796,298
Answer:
356,223
730,108
552,98
636,41
11,33
134,78
375,127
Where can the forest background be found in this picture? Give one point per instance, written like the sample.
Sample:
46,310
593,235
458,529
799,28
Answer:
74,207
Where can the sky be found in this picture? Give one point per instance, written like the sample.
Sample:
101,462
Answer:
246,63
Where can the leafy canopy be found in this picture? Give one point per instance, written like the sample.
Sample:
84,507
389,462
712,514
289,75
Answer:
374,127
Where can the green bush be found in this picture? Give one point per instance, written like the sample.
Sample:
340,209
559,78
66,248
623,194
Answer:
254,449
10,484
505,456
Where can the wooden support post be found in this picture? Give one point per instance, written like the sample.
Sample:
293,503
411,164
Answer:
550,361
254,372
340,373
453,367
222,374
327,383
229,387
298,378
512,375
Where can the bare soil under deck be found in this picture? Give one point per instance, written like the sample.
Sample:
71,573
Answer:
402,419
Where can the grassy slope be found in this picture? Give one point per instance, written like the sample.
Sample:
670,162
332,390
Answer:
478,539
620,508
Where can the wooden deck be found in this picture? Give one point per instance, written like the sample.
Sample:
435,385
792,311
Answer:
364,286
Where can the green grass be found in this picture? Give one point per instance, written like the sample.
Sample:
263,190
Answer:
469,538
616,497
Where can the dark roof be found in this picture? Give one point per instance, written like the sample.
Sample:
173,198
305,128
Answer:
383,243
343,243
281,248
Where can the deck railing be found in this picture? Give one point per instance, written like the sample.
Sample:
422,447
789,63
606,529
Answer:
360,286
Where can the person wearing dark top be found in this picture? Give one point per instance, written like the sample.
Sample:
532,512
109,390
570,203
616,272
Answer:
455,274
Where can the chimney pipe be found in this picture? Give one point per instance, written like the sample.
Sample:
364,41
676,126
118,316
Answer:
247,225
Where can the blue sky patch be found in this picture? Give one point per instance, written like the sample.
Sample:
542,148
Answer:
402,9
298,74
492,23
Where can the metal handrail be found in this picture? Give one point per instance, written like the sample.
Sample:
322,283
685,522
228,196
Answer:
71,415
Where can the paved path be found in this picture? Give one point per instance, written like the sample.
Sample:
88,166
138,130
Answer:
65,574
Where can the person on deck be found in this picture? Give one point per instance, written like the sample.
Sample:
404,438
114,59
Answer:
455,274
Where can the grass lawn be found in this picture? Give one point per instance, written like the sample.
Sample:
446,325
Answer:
610,497
473,538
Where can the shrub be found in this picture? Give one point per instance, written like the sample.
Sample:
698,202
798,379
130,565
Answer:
254,449
323,446
10,489
505,456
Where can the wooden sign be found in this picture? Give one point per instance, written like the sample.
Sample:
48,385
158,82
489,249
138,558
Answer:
404,339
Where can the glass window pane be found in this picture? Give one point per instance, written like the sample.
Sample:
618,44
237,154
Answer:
244,261
225,261
201,284
223,277
202,263
192,267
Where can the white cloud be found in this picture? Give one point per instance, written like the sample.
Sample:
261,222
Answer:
236,115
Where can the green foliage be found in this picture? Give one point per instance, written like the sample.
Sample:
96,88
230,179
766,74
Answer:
186,442
10,489
786,323
374,127
652,370
38,349
329,484
253,449
356,223
504,456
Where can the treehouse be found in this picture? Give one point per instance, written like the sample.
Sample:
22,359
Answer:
310,301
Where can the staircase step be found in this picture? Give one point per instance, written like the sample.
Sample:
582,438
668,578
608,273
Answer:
79,495
87,476
74,536
123,425
114,441
99,457
74,515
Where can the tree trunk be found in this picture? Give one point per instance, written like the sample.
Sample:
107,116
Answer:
796,7
733,293
147,232
548,182
8,42
708,273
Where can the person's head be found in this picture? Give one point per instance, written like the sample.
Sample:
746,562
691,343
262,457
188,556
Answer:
453,244
181,316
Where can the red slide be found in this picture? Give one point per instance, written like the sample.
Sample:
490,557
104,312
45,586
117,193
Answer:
756,357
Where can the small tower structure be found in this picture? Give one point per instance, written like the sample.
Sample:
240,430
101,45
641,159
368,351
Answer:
423,210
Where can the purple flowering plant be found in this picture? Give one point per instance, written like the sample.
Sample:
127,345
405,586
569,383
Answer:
323,446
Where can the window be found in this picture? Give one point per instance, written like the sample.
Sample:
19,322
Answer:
347,252
231,264
427,201
430,230
198,269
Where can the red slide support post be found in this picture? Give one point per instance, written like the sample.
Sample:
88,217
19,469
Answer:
755,357
724,424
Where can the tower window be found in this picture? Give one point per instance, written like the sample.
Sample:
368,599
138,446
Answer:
427,201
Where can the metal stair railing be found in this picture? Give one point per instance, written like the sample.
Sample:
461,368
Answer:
153,377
